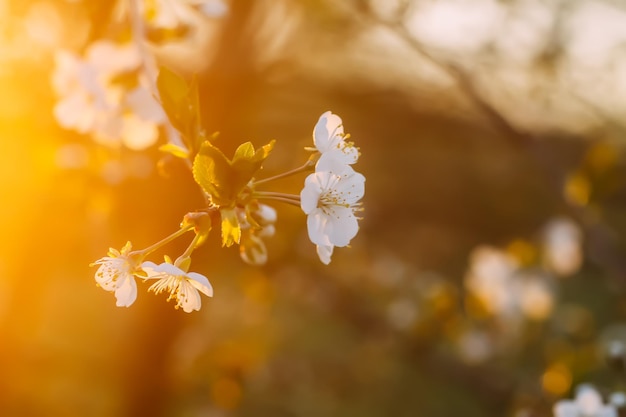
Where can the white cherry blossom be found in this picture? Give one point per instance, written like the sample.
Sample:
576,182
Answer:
330,200
116,274
587,403
93,100
505,289
562,246
329,139
182,286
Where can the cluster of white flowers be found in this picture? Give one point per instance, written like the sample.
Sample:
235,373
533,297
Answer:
562,246
117,273
330,198
103,94
331,194
588,403
511,288
506,290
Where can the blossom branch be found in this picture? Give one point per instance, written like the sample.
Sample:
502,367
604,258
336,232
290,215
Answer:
164,241
306,167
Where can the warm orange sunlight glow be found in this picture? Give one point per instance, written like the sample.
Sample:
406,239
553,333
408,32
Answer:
297,208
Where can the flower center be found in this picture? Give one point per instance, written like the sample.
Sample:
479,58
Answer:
175,285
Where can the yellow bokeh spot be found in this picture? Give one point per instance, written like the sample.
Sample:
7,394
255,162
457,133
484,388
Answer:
476,308
557,379
226,393
523,251
601,157
577,189
443,298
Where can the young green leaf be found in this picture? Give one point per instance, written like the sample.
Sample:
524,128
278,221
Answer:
223,179
181,102
231,231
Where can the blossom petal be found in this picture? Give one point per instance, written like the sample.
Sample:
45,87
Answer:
334,160
351,186
112,58
328,127
126,293
138,134
344,226
588,400
214,8
150,268
607,411
325,252
201,283
155,271
191,301
319,228
310,194
565,408
267,214
144,105
75,112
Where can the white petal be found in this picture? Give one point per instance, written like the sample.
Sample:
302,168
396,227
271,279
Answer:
214,8
588,400
267,231
310,194
267,214
325,252
111,58
327,128
344,226
138,134
155,271
192,302
200,282
607,411
143,104
318,228
565,409
149,267
126,294
75,112
351,186
334,160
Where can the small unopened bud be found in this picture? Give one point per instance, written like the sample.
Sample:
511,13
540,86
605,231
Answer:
264,215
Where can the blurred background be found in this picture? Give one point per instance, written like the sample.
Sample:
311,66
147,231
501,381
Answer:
488,277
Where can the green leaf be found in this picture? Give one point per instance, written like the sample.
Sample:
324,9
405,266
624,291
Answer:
181,102
212,171
231,231
244,151
175,150
223,179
